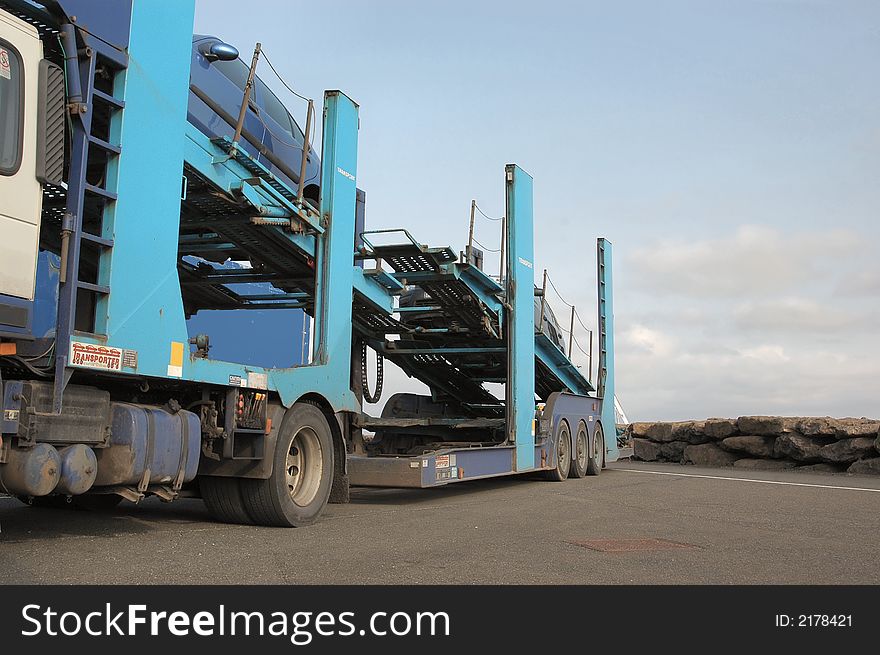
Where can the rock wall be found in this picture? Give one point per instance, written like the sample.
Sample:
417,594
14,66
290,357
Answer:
833,445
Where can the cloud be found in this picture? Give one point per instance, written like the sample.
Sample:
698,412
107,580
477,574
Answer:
753,377
862,283
794,315
753,261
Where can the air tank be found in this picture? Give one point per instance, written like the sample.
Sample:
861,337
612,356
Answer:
31,472
79,467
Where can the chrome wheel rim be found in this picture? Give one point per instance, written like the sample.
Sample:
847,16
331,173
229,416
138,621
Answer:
581,452
305,466
562,447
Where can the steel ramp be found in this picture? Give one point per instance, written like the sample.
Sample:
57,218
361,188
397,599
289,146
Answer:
452,340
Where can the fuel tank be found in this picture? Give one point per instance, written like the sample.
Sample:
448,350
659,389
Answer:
149,445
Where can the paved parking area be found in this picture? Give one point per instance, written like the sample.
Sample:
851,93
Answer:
725,526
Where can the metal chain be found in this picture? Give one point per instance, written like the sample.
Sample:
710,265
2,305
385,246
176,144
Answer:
380,376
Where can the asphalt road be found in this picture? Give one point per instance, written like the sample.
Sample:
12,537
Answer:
756,528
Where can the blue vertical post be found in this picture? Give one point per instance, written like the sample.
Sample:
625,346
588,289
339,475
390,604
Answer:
606,347
144,310
520,388
333,327
330,372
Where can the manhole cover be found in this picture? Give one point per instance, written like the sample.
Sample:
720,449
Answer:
628,545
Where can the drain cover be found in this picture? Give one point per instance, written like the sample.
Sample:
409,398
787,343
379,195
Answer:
628,545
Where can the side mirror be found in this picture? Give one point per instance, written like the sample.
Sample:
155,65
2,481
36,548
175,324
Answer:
218,51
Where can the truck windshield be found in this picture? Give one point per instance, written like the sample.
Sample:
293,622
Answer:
10,110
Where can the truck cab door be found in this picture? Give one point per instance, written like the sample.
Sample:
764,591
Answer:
21,193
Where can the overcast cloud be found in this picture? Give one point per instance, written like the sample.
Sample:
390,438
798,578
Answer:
730,150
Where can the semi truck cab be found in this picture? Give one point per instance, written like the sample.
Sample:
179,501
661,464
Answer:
21,54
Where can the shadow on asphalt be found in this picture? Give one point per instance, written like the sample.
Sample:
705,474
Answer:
19,522
382,496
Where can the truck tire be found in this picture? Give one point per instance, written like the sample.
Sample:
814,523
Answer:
223,499
302,472
597,455
581,453
563,453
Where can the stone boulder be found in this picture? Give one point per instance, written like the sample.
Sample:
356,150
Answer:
760,425
673,451
645,450
719,428
865,467
654,431
692,432
755,445
799,447
846,451
838,427
764,464
708,454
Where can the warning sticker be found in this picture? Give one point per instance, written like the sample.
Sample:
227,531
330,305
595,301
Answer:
5,69
442,462
10,414
89,355
257,380
130,358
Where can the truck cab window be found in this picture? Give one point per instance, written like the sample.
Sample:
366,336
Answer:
11,110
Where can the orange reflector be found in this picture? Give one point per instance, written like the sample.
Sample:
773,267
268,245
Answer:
8,348
268,425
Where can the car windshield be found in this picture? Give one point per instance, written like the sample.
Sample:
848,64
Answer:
10,110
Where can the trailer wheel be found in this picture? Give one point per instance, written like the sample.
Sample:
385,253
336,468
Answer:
563,453
581,455
597,454
302,473
223,499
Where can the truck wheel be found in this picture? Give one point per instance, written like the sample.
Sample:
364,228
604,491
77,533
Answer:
223,499
302,472
563,454
581,455
597,454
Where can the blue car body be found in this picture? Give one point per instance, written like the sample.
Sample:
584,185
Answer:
267,119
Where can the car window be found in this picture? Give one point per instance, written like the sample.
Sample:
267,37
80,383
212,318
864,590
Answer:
277,111
236,71
11,101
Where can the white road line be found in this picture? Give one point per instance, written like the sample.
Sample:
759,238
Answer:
720,477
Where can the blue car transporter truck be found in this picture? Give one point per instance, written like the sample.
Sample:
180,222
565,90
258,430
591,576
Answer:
121,219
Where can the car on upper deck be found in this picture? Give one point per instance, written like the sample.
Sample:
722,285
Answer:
217,82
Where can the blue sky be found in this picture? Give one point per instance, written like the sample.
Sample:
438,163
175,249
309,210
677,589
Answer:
730,150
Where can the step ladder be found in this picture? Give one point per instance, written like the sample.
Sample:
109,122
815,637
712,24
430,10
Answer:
94,112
